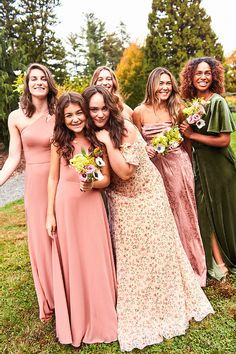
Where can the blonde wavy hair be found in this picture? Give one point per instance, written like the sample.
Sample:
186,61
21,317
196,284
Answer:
174,102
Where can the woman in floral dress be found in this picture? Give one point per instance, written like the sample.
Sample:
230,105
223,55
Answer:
158,293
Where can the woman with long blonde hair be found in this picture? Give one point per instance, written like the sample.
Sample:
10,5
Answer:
160,111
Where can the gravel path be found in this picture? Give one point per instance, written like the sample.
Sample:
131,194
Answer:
12,190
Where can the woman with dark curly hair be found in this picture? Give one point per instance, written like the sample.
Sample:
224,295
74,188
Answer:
215,164
31,127
83,267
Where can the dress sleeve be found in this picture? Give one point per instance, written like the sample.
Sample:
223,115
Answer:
221,120
130,153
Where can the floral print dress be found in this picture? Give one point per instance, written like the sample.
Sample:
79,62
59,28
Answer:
157,291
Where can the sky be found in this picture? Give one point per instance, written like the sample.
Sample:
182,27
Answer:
134,13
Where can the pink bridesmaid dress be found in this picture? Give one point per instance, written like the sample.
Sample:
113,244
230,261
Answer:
36,147
83,266
176,170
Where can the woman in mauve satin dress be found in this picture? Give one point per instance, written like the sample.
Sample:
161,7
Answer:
31,127
161,110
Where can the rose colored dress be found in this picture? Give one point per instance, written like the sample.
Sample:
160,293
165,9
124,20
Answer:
176,170
36,146
83,266
158,293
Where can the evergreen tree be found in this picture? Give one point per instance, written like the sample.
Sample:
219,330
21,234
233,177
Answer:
179,30
9,61
37,38
94,34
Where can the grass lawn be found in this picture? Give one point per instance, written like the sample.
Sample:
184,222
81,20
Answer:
22,332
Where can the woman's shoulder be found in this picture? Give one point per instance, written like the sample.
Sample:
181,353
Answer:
15,116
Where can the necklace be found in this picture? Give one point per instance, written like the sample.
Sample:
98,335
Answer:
209,96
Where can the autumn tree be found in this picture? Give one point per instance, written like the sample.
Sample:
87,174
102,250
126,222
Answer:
230,73
131,76
179,30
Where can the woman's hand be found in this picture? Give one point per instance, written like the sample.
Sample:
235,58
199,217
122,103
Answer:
51,225
151,152
186,129
86,186
103,136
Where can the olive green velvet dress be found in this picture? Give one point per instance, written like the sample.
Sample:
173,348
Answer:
216,187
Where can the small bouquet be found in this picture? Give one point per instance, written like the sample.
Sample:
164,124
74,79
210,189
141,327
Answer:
89,165
194,110
167,140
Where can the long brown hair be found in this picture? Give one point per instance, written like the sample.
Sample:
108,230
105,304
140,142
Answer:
26,98
115,124
115,87
174,102
63,136
188,91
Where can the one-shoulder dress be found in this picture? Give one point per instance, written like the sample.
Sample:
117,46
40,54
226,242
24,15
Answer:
158,293
83,266
216,187
176,170
36,146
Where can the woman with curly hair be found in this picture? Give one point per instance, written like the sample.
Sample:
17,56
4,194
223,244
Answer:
83,267
160,111
31,127
106,77
215,164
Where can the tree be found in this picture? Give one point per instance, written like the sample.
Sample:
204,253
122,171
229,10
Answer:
178,30
94,35
131,75
93,46
230,73
37,38
9,59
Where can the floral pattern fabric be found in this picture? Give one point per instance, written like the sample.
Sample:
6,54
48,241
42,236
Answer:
157,290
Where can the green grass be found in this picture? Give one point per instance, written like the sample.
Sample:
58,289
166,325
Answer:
233,136
22,332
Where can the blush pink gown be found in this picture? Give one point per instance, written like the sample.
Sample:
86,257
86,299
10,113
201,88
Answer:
176,170
36,147
83,266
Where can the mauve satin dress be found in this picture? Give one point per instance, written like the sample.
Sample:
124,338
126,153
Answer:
176,170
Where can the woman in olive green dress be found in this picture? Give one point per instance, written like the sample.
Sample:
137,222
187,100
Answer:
215,164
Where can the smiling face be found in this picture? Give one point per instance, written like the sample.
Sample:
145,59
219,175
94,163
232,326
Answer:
98,111
202,78
105,79
38,84
75,118
163,88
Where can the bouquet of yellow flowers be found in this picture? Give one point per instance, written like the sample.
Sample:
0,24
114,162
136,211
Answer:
88,165
167,140
194,110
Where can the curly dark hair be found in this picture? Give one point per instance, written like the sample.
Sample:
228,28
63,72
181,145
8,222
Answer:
188,91
62,136
26,98
115,124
